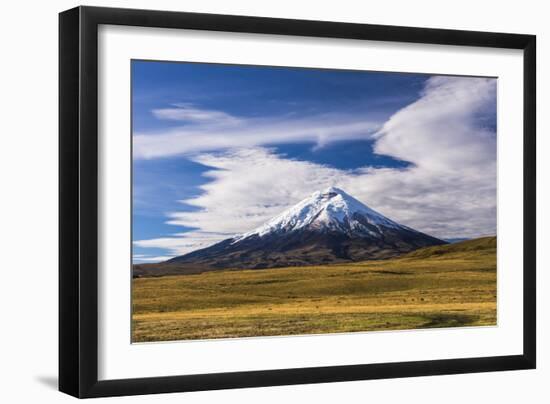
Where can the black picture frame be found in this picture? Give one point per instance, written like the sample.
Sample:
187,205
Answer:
78,196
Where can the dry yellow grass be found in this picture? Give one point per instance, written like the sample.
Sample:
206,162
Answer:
456,287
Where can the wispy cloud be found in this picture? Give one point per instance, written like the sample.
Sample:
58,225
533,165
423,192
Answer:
182,243
208,130
186,112
142,258
449,190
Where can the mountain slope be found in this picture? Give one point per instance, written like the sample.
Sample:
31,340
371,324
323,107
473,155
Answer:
482,245
330,226
329,210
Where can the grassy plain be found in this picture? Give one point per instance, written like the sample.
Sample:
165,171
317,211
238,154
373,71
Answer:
444,286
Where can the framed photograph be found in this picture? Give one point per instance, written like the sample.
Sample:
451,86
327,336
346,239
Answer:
251,201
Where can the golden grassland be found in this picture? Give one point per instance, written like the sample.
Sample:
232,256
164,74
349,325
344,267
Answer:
446,286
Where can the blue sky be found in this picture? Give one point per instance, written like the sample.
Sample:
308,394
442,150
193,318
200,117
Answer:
218,149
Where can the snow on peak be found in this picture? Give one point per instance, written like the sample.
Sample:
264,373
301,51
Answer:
332,190
331,209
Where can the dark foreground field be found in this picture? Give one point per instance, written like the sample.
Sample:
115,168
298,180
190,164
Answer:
443,286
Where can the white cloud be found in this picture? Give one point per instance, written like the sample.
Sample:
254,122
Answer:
191,114
183,242
147,258
442,130
448,191
214,130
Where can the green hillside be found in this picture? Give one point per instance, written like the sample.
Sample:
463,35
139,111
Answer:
485,245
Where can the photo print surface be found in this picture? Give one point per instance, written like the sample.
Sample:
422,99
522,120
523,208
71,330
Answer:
276,201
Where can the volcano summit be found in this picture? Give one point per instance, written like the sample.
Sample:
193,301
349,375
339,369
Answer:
328,227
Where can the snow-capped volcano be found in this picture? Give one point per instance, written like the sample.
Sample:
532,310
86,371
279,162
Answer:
331,210
329,226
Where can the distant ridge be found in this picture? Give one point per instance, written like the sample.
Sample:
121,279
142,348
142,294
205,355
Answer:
456,240
479,244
